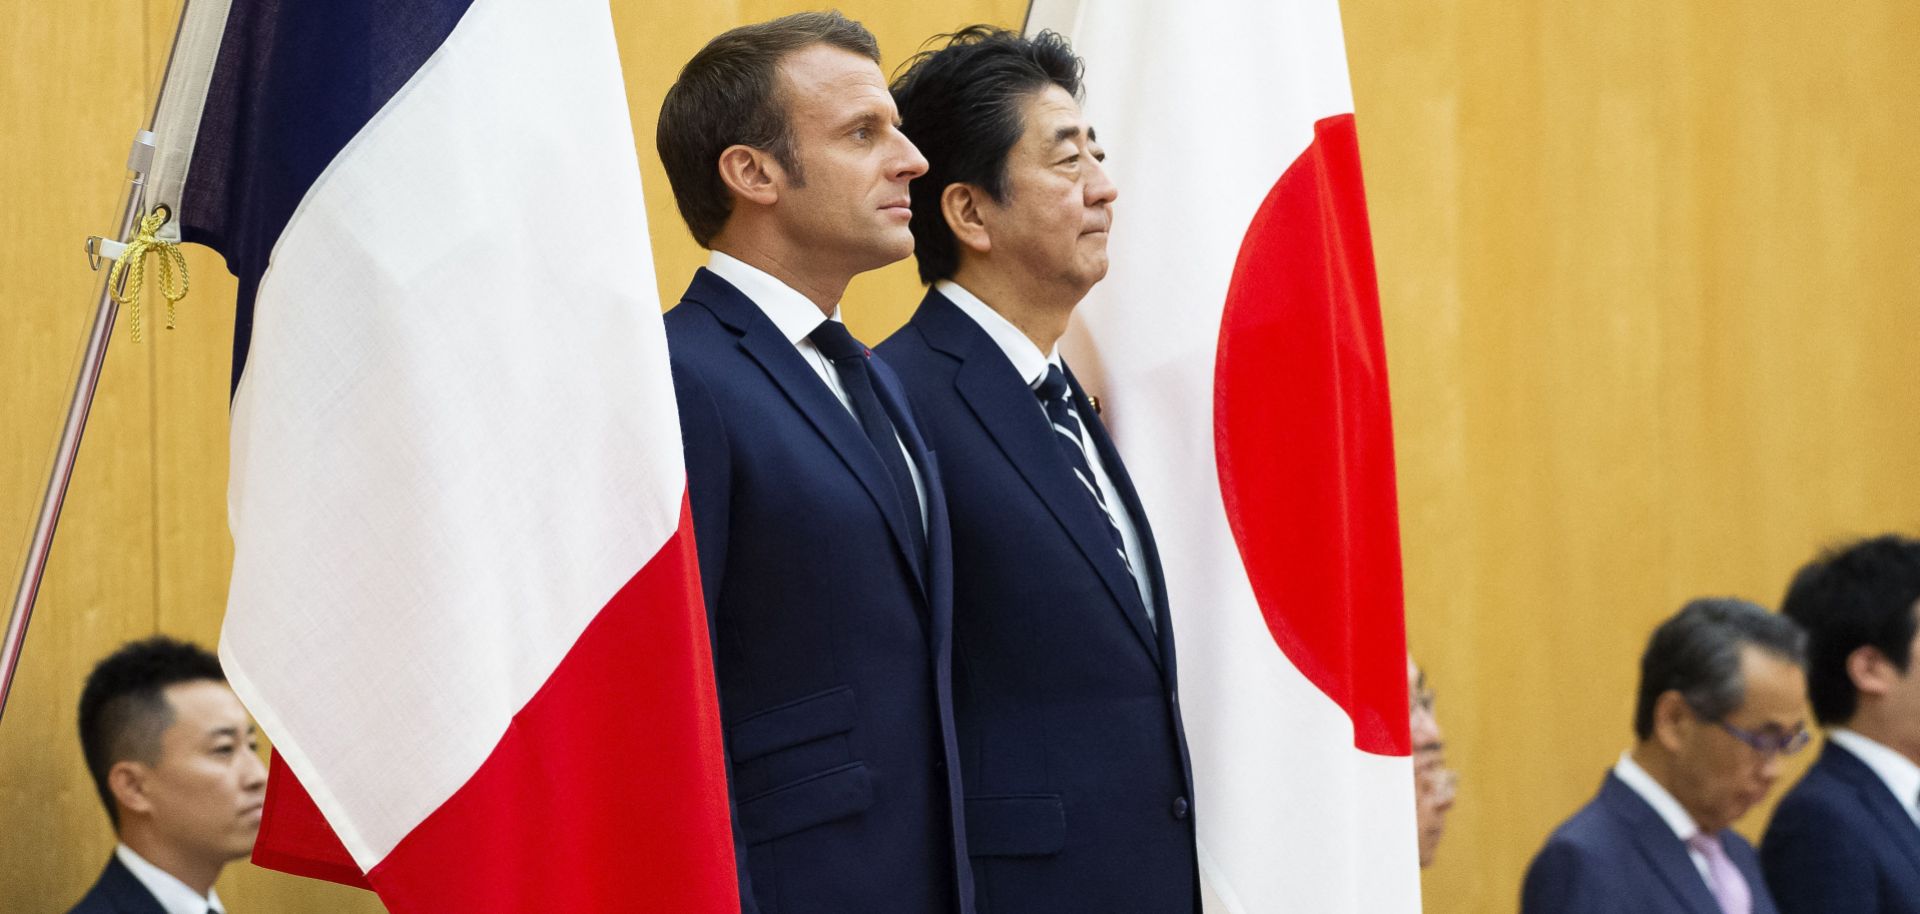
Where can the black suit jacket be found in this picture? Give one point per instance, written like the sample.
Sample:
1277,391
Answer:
1839,843
1617,856
117,891
832,640
1078,785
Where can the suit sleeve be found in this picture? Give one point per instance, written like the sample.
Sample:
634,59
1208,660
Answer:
1811,865
1561,881
709,473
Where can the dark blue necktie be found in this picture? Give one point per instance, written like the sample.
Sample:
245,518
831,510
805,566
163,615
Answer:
1058,400
850,362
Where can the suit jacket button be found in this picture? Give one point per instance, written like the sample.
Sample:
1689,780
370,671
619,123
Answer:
1179,807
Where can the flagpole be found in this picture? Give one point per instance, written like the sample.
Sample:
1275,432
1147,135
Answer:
92,364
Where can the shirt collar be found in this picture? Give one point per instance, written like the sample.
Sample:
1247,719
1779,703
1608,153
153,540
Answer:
1671,812
1901,775
166,888
1027,358
796,315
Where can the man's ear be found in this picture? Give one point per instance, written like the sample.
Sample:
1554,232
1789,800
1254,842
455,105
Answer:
752,174
127,781
1872,673
961,205
1673,720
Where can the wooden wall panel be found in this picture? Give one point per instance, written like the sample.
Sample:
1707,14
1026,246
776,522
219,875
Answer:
1649,291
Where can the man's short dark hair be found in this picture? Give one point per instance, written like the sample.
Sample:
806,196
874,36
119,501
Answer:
1858,595
1697,653
124,708
961,105
730,94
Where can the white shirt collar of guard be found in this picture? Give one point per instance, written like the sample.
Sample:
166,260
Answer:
1670,810
1901,775
166,888
1027,358
795,314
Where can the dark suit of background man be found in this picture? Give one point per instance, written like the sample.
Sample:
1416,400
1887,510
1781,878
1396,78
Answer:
816,504
175,760
1722,697
1078,787
1846,839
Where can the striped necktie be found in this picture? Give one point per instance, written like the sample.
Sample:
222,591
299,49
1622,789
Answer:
1057,398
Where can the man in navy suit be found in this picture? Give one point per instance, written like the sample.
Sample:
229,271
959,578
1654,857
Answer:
174,758
1722,697
1077,782
817,505
1846,839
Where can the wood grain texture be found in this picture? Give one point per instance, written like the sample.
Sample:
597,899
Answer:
1648,279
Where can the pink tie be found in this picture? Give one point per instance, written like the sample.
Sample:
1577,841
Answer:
1729,887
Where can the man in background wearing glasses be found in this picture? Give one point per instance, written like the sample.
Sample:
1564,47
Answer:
1846,839
1722,697
1433,781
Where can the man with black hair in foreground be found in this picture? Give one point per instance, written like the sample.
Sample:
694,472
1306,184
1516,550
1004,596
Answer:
1846,839
1078,789
1722,698
175,760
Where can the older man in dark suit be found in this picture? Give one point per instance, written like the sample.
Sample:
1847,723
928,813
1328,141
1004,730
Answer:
175,760
1846,839
816,504
1722,697
1078,787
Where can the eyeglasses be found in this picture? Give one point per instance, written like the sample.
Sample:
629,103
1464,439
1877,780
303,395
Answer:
1769,742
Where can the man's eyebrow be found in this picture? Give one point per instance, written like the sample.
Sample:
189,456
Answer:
217,732
1069,132
862,119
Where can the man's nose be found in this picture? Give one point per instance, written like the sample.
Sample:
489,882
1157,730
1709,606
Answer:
1100,187
911,163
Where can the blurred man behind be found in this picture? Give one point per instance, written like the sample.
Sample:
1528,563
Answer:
1722,697
1433,781
175,760
1846,839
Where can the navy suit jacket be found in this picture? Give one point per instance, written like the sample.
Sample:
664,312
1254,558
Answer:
117,891
1839,843
1617,856
832,640
1078,785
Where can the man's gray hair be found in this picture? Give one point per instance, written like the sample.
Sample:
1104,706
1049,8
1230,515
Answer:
1697,653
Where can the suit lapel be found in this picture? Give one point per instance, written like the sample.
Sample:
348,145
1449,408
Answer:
1880,801
1660,847
764,343
1006,407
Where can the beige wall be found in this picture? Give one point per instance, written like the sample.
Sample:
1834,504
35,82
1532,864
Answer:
1649,284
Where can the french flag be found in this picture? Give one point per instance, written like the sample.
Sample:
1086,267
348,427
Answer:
465,605
1236,344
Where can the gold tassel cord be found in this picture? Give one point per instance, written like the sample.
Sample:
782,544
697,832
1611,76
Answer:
146,242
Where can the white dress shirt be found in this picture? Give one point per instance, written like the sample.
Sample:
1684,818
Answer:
797,316
1032,364
1671,812
1899,773
172,894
